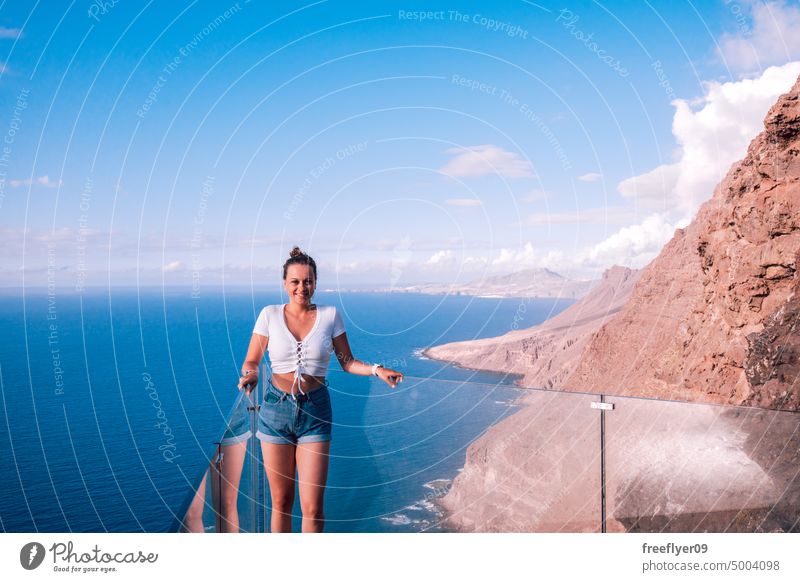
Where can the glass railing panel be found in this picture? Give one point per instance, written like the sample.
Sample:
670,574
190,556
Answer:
226,497
431,455
537,471
397,458
446,455
684,467
561,477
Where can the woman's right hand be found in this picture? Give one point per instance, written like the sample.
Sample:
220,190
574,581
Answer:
248,381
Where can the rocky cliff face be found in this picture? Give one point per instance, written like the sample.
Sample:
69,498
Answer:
545,354
713,317
773,356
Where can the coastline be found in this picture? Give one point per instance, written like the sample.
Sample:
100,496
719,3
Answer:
542,356
518,378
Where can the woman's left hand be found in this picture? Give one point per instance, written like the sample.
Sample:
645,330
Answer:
391,377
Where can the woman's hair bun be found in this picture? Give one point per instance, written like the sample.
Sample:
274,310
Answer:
298,257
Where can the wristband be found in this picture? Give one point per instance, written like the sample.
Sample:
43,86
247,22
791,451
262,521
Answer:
375,368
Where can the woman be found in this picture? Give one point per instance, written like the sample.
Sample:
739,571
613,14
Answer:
294,424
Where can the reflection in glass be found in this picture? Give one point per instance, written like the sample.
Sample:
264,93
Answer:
219,509
681,467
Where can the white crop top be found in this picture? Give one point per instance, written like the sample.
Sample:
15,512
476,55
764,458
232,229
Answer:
310,356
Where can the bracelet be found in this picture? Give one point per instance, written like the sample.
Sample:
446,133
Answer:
375,368
248,372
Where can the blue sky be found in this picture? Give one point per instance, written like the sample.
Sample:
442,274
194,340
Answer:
397,142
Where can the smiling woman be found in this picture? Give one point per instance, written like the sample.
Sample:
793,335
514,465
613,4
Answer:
295,420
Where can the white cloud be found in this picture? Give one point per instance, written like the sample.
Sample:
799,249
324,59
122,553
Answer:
525,255
769,37
463,202
401,257
349,267
254,242
535,195
40,181
710,140
602,215
173,266
441,259
631,246
653,188
486,159
10,32
32,246
473,263
590,177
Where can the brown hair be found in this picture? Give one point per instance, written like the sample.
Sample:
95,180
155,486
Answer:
298,257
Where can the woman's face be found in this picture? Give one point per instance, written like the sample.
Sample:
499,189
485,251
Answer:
299,284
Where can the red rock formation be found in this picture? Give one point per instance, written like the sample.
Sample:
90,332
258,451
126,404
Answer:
773,358
714,317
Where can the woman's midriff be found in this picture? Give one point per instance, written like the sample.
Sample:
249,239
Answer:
284,382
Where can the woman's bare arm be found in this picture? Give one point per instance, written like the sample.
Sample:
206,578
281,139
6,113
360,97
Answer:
341,347
255,353
348,362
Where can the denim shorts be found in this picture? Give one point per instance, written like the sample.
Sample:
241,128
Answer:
287,420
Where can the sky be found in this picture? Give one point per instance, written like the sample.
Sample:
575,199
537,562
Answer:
194,144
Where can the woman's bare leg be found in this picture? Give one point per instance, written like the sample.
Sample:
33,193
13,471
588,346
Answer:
279,464
226,500
193,521
312,474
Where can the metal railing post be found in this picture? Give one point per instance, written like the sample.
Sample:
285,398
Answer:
259,482
602,406
602,467
218,505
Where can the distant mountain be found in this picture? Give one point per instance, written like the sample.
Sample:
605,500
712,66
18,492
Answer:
542,283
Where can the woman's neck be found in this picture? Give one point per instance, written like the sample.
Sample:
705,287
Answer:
295,309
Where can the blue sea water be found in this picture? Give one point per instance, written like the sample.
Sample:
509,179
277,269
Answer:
111,402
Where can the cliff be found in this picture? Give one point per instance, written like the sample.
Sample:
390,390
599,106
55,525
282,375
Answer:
713,319
709,318
545,354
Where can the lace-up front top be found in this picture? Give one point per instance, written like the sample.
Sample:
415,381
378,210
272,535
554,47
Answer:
310,355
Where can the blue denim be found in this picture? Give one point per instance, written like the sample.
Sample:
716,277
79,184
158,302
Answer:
285,419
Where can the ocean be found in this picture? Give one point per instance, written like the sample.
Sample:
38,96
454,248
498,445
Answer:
111,403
